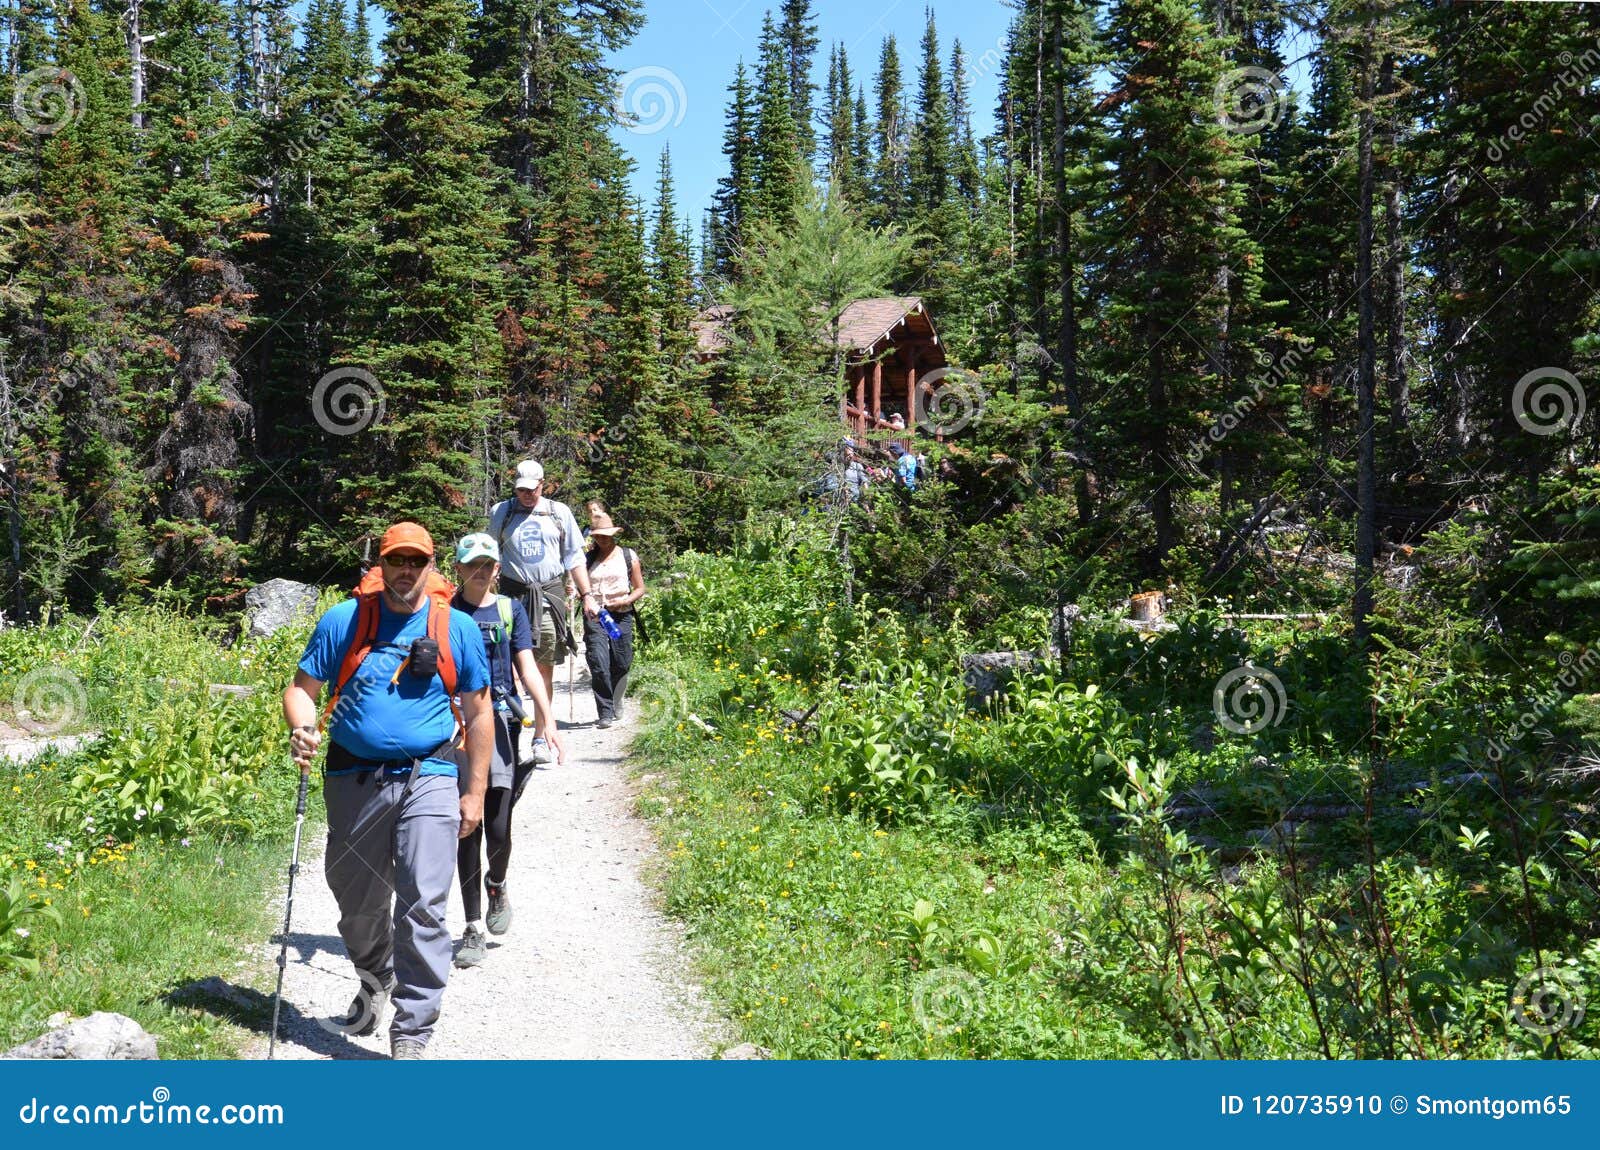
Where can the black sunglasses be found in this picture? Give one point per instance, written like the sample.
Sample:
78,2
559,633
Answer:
412,562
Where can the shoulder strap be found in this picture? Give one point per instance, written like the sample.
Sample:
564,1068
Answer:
504,512
561,525
439,631
361,640
503,605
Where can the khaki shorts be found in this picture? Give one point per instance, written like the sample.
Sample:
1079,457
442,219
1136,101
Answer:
547,652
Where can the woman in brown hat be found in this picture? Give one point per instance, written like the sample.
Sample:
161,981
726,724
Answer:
617,578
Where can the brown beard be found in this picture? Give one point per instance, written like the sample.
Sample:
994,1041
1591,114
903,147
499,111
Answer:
402,606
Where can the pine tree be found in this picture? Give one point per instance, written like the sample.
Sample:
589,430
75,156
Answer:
199,223
861,165
734,204
787,360
1175,258
889,176
963,148
67,324
799,31
434,284
781,170
928,182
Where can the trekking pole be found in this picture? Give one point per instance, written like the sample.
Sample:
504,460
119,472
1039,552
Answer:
288,905
572,668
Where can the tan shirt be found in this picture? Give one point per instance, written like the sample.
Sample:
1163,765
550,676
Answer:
610,579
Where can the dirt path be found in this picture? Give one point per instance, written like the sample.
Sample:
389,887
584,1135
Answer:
590,967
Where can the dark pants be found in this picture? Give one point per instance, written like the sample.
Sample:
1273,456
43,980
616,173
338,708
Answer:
388,863
609,660
496,827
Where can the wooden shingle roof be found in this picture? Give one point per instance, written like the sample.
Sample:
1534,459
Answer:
864,326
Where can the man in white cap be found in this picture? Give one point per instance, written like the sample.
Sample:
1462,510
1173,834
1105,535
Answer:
540,545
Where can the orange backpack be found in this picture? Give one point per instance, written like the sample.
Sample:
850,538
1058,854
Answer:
368,592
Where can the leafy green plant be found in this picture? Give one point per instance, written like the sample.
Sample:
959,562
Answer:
20,905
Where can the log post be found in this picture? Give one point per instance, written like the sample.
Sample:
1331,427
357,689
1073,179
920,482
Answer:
861,398
877,392
911,392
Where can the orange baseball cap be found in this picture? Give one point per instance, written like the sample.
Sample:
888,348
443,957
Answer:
406,537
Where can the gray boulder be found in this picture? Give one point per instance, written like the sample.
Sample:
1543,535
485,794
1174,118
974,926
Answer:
988,674
746,1052
100,1036
277,603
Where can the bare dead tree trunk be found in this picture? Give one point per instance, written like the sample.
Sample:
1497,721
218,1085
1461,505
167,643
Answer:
1067,332
1394,268
1367,356
132,27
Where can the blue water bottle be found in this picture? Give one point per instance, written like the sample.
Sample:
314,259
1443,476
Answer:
610,624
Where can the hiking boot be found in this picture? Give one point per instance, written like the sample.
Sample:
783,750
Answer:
603,722
498,920
407,1048
366,1008
474,947
542,752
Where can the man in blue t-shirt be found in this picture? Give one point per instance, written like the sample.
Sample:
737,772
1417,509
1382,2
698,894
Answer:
395,804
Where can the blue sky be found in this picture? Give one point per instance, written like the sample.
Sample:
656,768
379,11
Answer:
682,62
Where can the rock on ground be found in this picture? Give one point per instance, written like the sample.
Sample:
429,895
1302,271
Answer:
102,1035
277,603
590,967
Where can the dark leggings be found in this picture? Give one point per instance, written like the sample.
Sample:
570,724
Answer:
496,826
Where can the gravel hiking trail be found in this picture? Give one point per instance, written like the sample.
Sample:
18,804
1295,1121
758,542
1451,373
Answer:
590,967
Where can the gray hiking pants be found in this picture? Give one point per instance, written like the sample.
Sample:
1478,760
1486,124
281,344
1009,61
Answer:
391,859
